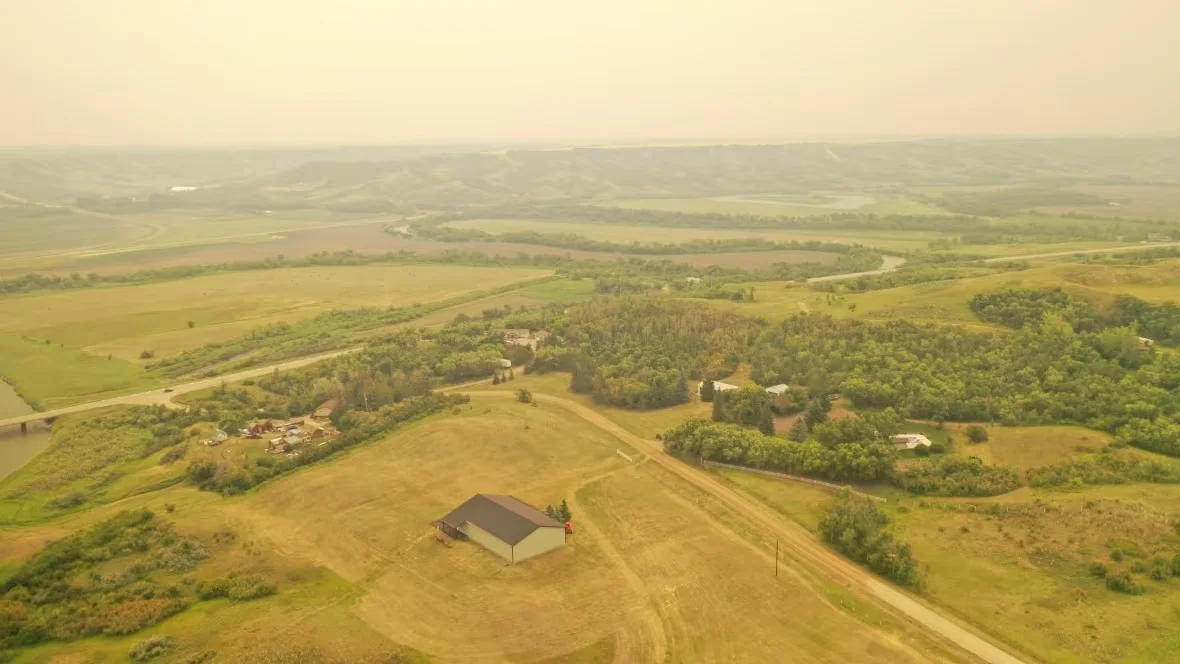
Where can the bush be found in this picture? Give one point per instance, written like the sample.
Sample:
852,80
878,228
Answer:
173,455
67,501
1122,582
977,434
524,396
1098,569
957,476
238,589
152,648
147,354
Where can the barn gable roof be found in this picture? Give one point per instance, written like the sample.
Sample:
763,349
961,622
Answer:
505,517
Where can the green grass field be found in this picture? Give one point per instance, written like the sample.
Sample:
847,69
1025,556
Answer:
57,347
655,570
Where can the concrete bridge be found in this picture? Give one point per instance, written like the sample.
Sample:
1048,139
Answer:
163,396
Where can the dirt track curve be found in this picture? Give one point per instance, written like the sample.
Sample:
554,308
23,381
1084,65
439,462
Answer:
796,539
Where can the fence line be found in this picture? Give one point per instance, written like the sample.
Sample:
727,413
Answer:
791,478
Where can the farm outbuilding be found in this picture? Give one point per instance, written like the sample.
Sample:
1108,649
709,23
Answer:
504,525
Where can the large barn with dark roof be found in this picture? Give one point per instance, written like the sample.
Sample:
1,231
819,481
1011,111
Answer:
508,527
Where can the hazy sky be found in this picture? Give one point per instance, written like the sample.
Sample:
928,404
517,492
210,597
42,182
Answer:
164,72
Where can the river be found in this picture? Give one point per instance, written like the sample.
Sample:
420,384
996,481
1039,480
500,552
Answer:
17,448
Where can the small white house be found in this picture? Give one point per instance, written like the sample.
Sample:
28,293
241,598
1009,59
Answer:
909,441
1145,343
718,386
505,363
777,390
182,188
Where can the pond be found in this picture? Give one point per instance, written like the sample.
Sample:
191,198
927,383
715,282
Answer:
16,448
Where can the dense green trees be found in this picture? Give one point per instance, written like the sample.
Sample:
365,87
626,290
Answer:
730,443
1039,375
956,476
1016,308
854,526
748,406
639,352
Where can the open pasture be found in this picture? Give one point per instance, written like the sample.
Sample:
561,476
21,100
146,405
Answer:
650,567
948,301
1027,447
1024,573
883,239
66,345
785,205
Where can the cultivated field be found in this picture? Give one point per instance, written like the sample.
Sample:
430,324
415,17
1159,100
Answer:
60,346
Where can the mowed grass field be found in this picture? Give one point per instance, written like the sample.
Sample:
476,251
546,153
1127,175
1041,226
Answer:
883,239
1028,447
1024,576
59,346
656,570
949,301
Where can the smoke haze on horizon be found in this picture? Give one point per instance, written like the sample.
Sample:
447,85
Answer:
217,72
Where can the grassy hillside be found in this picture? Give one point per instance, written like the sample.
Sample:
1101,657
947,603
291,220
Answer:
654,569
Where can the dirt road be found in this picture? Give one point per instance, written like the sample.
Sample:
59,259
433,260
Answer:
800,544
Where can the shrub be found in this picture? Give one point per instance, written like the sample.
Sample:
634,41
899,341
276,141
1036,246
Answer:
524,396
977,434
67,501
173,455
957,476
147,354
151,648
1123,583
1098,569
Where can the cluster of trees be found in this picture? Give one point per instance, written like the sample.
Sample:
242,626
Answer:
1017,308
956,476
560,513
855,526
1107,467
917,274
1007,202
45,600
749,406
1039,375
730,443
443,233
637,352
